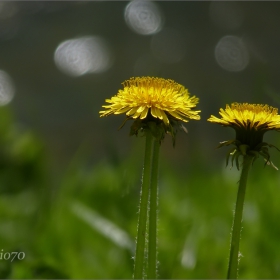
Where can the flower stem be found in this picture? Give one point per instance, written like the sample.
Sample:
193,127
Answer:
236,228
142,221
152,247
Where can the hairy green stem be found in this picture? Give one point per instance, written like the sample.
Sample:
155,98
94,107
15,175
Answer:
152,247
236,228
142,220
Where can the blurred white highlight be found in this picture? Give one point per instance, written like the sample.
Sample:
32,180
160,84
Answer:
83,55
189,256
7,89
188,259
232,54
103,226
143,17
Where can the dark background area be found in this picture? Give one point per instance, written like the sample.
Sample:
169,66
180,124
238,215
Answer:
64,109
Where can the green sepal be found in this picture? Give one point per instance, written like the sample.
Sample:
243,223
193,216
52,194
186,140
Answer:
157,130
135,127
226,143
237,161
125,120
157,127
170,129
244,149
254,154
229,153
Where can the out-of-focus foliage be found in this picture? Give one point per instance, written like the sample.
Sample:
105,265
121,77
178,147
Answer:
83,224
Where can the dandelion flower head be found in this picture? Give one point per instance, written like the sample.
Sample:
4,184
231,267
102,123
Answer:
153,99
163,98
258,117
250,122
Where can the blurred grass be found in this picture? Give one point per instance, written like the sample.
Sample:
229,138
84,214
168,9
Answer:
82,224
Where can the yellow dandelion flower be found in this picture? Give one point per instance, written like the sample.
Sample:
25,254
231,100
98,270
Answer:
258,117
250,122
146,97
157,106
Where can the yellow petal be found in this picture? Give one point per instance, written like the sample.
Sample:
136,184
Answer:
154,112
144,113
165,119
131,111
123,110
141,109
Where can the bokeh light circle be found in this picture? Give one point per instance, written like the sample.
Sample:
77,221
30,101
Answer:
7,89
143,17
83,55
231,53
